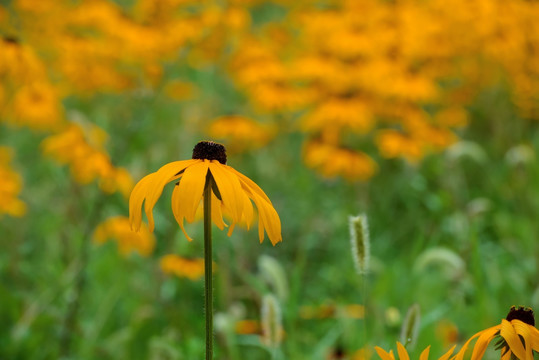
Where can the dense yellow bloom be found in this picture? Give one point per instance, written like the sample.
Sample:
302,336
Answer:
37,106
10,187
82,149
232,193
119,229
334,161
241,133
403,354
192,269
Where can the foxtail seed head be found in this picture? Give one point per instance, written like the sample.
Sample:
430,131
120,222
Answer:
272,325
360,242
410,326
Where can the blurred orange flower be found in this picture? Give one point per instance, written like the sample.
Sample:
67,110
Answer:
192,269
119,229
10,186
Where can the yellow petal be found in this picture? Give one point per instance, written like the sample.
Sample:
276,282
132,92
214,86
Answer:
267,217
191,188
403,354
160,178
177,215
462,351
522,329
533,332
248,212
384,355
511,337
482,342
217,212
250,184
448,354
229,187
424,354
135,202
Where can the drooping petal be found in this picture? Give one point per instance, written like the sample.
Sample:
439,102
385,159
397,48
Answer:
522,329
448,354
191,188
135,202
229,187
403,354
217,212
482,342
248,212
250,184
462,351
384,355
424,354
160,178
175,210
511,337
533,333
268,218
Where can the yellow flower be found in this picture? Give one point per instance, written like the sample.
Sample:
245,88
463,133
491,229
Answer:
332,161
38,106
232,193
10,187
241,132
403,354
518,337
182,267
118,228
82,148
248,327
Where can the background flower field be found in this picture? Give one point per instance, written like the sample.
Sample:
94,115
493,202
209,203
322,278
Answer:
420,114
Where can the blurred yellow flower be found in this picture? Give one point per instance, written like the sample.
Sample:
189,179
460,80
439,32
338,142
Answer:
248,327
517,333
232,193
10,186
192,269
403,354
119,229
82,149
393,144
241,133
332,161
37,106
447,332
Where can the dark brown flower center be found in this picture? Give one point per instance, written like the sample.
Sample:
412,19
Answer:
209,150
524,314
11,39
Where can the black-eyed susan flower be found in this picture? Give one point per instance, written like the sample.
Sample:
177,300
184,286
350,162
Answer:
206,177
232,193
403,354
518,337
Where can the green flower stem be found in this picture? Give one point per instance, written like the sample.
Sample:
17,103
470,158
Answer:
208,273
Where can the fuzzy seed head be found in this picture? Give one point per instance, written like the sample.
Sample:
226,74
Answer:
360,242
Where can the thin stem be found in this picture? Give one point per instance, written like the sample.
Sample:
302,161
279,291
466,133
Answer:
69,326
208,273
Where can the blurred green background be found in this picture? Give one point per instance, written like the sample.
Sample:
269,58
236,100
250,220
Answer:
334,108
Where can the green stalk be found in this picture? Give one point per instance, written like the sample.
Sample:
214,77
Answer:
208,273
